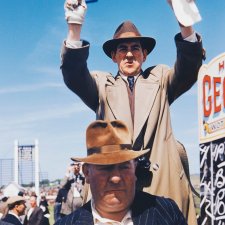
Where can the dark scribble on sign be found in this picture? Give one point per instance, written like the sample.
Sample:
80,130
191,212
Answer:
212,184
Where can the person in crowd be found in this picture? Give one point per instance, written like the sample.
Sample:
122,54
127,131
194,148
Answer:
35,214
3,206
16,207
73,182
44,206
22,194
110,168
139,97
61,197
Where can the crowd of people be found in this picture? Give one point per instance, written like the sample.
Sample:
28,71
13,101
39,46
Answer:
24,210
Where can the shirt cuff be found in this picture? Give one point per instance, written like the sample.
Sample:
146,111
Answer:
73,44
191,38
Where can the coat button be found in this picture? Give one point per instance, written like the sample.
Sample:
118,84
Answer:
155,166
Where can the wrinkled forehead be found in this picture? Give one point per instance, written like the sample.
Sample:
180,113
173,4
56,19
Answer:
130,162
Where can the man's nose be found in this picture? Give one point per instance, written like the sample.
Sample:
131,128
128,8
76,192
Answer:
115,176
115,179
129,54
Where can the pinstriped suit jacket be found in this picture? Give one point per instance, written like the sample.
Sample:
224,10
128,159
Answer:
11,219
5,223
146,210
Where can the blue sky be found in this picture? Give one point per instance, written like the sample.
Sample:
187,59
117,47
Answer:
36,104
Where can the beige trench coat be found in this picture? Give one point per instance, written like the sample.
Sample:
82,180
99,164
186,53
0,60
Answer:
155,90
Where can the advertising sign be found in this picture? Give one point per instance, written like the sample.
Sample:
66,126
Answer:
211,112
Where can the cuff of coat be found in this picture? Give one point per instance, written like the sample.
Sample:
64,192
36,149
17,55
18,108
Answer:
189,47
77,54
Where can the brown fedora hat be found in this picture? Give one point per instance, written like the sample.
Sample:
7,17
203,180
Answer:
127,31
108,143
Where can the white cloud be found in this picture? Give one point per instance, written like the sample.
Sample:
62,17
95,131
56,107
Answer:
29,88
49,113
54,70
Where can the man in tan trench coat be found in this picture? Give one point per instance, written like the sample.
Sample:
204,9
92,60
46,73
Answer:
142,103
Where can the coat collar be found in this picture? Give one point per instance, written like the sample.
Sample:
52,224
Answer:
146,88
118,101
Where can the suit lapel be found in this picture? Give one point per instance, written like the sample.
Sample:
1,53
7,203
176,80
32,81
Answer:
33,213
118,101
145,94
86,217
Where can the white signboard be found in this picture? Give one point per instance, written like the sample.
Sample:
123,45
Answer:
211,105
211,100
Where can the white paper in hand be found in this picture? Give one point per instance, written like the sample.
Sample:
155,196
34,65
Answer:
186,12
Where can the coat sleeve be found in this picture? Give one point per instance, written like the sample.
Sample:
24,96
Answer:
185,71
77,76
64,182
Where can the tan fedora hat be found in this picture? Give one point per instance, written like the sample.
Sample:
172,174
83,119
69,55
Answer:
108,142
127,31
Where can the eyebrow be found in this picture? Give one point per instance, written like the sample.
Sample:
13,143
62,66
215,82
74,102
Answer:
113,165
125,46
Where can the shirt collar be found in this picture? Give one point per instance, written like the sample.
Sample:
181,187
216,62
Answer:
98,219
125,77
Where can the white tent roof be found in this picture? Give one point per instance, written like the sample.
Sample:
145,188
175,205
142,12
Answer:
12,189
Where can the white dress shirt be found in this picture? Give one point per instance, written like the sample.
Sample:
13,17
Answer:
98,220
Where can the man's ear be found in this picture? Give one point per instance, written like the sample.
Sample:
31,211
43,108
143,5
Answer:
113,56
85,169
145,53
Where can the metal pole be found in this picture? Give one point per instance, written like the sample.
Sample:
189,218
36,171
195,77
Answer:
36,161
16,162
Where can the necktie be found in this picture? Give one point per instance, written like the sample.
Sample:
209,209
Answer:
130,80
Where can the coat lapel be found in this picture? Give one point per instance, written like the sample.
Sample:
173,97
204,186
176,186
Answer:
118,101
145,94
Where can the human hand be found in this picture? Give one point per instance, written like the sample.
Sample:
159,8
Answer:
69,169
75,11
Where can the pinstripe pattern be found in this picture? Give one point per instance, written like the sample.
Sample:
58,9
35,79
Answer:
5,223
9,218
146,210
